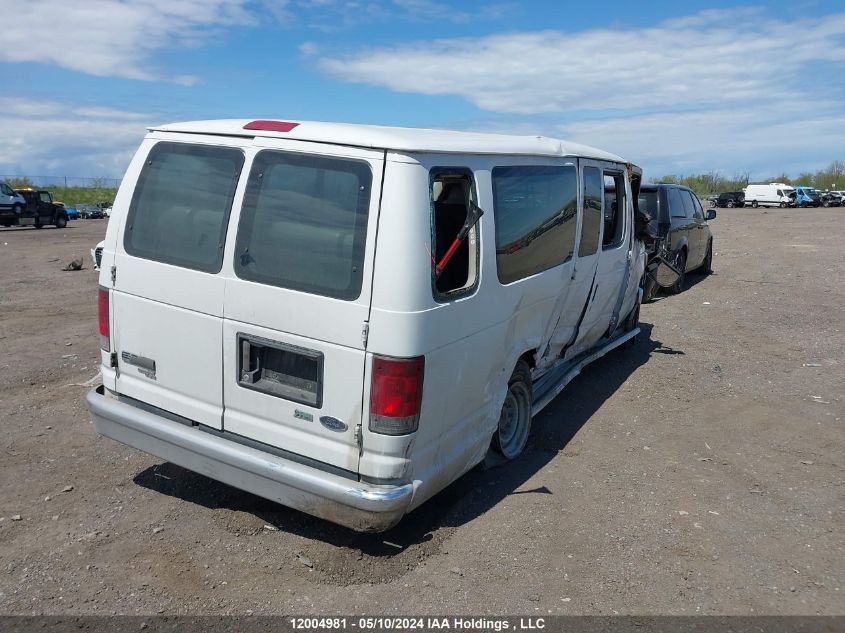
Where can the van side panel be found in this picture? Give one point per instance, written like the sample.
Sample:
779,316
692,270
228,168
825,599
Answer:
471,344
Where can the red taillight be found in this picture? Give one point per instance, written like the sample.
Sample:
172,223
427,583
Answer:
271,126
396,394
103,316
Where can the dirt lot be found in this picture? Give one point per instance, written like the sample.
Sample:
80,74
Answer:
701,471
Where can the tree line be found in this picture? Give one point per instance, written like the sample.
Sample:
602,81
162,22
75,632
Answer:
831,177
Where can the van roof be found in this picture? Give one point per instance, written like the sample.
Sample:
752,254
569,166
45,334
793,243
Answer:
395,138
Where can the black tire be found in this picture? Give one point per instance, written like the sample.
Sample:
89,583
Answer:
753,204
826,203
61,222
706,267
38,224
17,209
730,204
782,205
680,264
514,426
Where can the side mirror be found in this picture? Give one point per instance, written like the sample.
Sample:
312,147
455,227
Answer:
666,275
711,215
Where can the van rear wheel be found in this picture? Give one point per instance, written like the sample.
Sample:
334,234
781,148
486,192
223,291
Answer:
515,420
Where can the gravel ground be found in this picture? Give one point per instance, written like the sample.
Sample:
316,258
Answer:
700,471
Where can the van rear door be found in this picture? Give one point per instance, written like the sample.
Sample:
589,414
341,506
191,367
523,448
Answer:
297,300
167,299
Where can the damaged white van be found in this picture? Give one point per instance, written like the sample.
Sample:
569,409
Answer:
345,318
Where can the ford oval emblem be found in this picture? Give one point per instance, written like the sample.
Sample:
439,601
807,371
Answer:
333,424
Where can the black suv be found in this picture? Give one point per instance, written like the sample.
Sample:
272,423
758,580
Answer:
40,211
682,235
730,199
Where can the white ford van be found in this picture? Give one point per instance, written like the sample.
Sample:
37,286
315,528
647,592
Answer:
774,194
346,318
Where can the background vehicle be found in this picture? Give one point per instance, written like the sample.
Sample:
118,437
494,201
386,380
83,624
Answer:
807,197
90,211
680,223
72,213
775,194
12,203
831,199
40,210
730,199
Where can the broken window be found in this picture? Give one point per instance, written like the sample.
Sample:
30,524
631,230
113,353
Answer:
453,204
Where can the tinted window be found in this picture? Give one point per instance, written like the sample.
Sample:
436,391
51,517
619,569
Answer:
536,211
304,223
181,205
647,203
676,204
686,199
697,211
44,196
591,222
6,189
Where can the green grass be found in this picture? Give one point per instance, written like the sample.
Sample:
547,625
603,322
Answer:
73,196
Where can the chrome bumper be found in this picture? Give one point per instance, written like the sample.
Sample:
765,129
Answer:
360,506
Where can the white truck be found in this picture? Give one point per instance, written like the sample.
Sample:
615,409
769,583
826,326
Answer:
774,194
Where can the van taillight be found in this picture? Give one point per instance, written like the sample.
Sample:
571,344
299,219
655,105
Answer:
103,317
396,394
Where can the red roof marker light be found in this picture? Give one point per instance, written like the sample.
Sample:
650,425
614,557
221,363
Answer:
271,126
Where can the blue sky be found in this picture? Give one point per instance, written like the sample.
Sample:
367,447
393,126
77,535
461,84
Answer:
675,87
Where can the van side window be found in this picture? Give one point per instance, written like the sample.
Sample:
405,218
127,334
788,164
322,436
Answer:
697,211
536,211
591,222
614,210
676,205
303,224
452,192
181,205
689,207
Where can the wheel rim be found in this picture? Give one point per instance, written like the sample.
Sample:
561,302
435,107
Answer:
515,420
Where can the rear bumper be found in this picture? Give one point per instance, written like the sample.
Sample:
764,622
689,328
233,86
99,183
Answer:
355,504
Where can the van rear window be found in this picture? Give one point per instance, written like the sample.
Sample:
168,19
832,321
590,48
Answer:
181,205
304,223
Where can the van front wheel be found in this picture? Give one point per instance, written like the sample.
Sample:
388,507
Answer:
515,420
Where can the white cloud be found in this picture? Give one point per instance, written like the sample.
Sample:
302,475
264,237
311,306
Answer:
763,137
113,38
68,140
705,58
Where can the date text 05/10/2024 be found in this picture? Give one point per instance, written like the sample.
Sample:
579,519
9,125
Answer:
400,623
